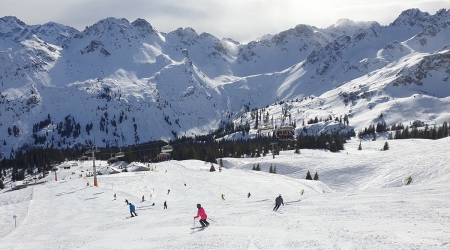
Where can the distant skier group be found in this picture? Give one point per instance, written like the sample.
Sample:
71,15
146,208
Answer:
200,210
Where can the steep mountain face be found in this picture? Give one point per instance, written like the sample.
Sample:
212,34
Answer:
283,50
122,83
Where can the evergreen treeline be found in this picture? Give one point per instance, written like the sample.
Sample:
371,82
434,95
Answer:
204,148
31,160
425,133
402,132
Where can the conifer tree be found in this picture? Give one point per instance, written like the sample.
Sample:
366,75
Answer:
308,176
359,147
386,146
258,168
254,167
316,176
212,169
333,147
221,163
275,169
390,137
270,169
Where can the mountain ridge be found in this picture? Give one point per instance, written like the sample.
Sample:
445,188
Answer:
183,84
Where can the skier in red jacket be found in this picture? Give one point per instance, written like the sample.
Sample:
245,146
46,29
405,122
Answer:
201,213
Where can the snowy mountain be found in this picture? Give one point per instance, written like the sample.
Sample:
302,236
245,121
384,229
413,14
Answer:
122,83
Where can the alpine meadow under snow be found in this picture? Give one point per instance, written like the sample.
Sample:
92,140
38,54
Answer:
120,84
359,202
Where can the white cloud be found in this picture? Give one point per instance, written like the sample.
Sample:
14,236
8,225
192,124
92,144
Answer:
242,20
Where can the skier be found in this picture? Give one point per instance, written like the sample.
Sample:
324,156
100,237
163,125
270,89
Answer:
223,197
127,202
168,191
248,195
143,198
165,204
132,210
114,196
278,202
201,213
303,191
409,179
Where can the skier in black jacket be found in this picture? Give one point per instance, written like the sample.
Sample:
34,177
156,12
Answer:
278,202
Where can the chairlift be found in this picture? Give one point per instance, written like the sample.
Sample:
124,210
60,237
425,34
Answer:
111,160
265,129
83,158
286,133
120,154
166,149
163,157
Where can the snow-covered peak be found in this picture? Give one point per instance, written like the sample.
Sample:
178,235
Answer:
264,37
231,41
443,14
106,25
347,23
143,26
413,18
349,27
301,30
55,33
11,21
185,32
11,27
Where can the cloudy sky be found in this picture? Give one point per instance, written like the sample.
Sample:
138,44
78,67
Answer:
241,20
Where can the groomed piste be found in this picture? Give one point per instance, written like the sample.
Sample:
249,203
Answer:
359,202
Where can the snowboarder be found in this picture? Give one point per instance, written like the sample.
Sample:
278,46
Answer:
165,204
127,202
409,180
115,196
132,210
223,197
278,202
303,191
248,195
168,191
143,198
201,213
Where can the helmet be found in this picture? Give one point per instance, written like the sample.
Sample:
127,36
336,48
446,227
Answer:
199,206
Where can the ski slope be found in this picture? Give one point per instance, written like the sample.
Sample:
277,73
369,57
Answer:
360,202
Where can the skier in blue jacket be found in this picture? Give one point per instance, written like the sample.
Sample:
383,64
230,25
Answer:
132,210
